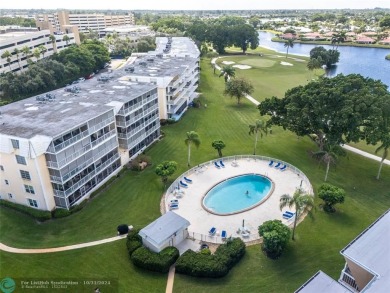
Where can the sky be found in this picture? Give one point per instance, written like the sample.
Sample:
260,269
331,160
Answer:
194,4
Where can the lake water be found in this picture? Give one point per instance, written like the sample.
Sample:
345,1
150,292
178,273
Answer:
368,62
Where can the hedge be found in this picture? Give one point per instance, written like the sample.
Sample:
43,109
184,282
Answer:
133,242
61,213
40,215
212,266
152,261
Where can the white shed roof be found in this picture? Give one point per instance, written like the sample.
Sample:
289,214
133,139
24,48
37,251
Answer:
322,283
163,228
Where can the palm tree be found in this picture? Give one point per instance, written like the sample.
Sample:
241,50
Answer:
53,41
259,127
26,52
339,38
17,54
42,50
314,63
385,147
66,39
301,202
192,138
329,155
289,44
228,72
7,55
36,53
218,145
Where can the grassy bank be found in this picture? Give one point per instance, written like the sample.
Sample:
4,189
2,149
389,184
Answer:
135,197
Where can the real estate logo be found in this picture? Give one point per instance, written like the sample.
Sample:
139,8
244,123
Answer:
7,285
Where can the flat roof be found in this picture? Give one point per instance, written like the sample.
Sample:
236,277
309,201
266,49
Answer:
29,117
163,228
160,66
180,46
322,283
16,35
371,250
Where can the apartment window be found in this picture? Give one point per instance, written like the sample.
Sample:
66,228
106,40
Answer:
25,175
6,182
32,202
21,160
15,143
10,195
29,189
1,168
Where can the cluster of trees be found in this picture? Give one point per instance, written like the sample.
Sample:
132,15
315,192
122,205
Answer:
334,111
55,71
124,46
26,22
321,56
221,33
385,21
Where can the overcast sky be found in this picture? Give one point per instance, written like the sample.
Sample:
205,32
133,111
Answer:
194,4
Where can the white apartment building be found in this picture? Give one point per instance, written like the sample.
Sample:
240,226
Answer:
12,38
85,22
366,267
57,148
174,67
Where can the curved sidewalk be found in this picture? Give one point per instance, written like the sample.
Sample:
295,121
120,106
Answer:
347,147
7,248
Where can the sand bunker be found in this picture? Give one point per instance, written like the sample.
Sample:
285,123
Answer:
228,62
286,63
240,66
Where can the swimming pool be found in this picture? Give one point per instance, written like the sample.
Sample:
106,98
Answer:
237,194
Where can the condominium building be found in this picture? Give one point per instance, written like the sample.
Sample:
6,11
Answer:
174,67
57,148
366,267
85,22
12,38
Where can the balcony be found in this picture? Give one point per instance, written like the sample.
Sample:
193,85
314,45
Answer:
55,149
82,181
100,125
64,162
124,112
103,138
347,280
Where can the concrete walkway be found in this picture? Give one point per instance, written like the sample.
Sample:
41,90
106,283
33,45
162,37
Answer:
58,249
347,147
171,278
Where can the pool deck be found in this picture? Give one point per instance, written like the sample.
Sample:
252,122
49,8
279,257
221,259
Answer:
203,179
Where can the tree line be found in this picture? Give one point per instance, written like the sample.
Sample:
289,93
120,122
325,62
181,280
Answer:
220,33
55,71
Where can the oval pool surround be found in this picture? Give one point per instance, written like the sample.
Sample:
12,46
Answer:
237,194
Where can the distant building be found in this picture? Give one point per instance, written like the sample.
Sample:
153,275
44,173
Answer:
367,264
362,39
85,22
385,41
14,37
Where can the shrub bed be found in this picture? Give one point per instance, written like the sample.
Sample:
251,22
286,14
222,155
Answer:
213,266
158,262
133,242
40,215
61,213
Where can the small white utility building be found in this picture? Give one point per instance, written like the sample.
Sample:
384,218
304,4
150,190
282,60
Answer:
168,230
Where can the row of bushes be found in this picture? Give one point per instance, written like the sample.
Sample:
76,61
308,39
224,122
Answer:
213,266
152,261
149,260
37,214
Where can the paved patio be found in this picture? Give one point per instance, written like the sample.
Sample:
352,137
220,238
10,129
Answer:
204,178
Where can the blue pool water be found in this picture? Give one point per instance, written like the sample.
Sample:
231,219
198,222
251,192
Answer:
237,194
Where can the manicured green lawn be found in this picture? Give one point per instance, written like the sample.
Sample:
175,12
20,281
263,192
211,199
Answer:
362,145
134,199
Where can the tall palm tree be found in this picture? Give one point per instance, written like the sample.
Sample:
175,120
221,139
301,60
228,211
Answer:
289,44
301,202
42,50
385,147
36,53
26,52
7,55
259,127
192,138
17,54
53,41
66,39
228,72
329,155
